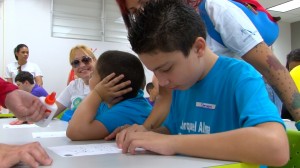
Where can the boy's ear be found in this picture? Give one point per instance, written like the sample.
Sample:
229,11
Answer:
199,45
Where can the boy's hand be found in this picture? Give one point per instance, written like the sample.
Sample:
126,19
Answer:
121,136
115,132
110,91
151,141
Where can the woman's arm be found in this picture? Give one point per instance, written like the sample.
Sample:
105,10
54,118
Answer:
9,80
60,108
39,80
262,58
32,154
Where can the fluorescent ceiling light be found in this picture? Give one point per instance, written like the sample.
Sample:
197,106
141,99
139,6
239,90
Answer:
286,6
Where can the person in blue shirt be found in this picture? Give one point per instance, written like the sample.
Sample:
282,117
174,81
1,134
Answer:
152,91
25,81
220,107
116,98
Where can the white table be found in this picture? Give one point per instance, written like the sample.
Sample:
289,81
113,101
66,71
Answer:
24,135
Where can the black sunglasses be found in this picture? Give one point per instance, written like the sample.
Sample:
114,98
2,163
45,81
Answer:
85,59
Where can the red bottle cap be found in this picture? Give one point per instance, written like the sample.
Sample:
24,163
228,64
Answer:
50,99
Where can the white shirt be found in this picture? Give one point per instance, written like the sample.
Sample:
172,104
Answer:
74,93
12,70
236,29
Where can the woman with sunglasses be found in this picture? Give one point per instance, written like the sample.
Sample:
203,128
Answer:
82,61
22,64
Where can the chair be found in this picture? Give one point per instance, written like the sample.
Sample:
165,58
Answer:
294,142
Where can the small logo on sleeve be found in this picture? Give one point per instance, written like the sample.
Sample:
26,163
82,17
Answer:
206,105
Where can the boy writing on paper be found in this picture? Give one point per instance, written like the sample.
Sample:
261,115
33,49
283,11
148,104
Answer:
99,114
210,115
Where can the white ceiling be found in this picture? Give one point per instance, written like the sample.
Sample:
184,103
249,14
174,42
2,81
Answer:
289,16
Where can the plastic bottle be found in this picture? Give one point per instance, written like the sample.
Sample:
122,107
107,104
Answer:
49,101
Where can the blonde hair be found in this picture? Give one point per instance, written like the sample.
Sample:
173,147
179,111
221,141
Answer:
84,49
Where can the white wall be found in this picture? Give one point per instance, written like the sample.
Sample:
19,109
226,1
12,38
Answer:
282,45
295,27
29,22
1,37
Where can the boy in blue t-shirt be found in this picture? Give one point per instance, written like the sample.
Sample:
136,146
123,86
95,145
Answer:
116,98
220,107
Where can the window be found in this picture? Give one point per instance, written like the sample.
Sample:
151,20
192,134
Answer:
88,19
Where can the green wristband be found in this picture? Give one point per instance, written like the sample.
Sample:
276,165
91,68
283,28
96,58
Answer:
297,124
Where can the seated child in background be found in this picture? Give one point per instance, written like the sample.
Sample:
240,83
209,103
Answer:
152,89
117,76
149,88
25,81
220,106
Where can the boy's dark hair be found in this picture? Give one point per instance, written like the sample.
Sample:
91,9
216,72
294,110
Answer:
149,87
125,63
17,49
24,76
294,55
165,25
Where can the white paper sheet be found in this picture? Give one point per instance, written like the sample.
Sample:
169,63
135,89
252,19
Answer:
49,134
83,150
20,126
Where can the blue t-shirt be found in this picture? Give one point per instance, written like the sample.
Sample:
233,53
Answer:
149,101
39,91
231,96
130,111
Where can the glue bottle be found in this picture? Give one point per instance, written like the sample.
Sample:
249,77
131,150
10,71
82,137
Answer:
49,102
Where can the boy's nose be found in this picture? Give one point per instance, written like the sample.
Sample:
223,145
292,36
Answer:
162,81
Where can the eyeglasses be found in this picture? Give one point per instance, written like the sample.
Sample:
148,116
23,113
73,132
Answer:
85,59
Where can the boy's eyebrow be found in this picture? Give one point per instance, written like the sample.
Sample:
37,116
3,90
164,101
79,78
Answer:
155,69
